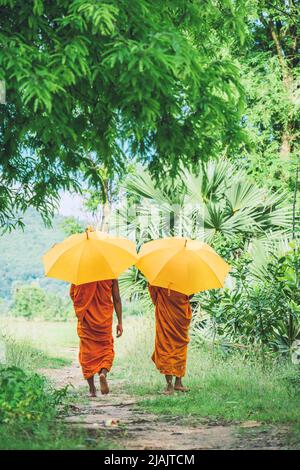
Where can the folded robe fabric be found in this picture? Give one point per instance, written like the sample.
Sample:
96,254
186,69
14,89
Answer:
173,317
93,306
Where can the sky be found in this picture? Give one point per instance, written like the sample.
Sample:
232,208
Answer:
71,204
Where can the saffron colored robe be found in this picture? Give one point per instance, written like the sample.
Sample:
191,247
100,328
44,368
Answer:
173,317
93,306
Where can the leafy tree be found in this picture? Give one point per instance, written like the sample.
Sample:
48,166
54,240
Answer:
30,301
278,34
92,82
99,202
271,71
72,225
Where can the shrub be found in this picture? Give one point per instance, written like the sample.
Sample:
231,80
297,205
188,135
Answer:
71,225
262,310
30,301
25,398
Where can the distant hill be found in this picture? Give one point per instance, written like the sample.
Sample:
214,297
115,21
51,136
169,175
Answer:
21,251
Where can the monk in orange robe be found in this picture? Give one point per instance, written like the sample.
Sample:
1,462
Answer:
173,317
94,304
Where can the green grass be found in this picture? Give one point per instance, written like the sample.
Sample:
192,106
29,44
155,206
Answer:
50,434
21,353
51,437
53,338
229,389
23,395
232,389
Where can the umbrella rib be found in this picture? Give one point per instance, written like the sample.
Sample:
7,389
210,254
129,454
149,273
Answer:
169,260
207,264
79,259
57,259
155,250
113,242
97,247
162,267
100,251
55,245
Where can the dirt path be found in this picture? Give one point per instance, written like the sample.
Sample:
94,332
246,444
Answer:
118,418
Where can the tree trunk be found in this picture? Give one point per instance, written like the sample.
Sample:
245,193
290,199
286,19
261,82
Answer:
105,216
285,147
106,209
288,82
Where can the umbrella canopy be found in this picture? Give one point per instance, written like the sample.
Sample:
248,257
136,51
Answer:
90,256
184,265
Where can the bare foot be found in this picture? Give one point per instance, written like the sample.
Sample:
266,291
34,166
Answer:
103,384
93,393
181,388
169,390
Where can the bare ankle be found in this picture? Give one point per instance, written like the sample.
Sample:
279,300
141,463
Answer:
178,382
169,379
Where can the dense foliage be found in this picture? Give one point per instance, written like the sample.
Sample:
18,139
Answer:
31,411
25,398
95,82
261,311
271,69
221,199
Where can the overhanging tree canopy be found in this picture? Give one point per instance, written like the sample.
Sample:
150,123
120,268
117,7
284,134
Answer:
92,82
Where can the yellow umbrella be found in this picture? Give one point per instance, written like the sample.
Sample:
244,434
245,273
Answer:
90,256
183,265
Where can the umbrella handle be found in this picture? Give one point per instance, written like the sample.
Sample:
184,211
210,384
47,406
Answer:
169,289
90,228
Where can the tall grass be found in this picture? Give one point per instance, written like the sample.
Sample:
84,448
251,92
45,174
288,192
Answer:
53,338
21,353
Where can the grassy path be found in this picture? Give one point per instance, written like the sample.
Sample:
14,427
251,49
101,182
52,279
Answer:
119,418
233,403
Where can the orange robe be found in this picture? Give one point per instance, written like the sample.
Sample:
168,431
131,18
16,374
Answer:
93,306
173,317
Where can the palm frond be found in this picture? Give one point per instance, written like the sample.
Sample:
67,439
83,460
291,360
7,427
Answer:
220,199
142,185
133,287
243,194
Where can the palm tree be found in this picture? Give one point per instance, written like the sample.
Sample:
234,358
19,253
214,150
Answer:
220,201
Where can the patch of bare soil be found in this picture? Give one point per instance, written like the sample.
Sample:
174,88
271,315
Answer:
117,417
